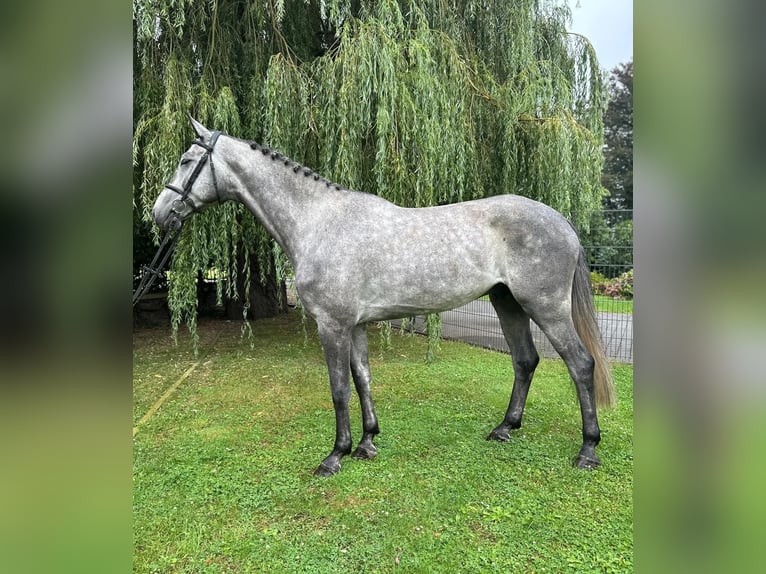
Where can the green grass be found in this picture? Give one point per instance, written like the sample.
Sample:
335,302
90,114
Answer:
609,305
222,471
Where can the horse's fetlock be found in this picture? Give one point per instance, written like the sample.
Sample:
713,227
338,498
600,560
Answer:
591,437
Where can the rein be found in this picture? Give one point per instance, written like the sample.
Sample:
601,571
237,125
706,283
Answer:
154,269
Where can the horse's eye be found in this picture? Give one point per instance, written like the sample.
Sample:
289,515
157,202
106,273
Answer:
185,160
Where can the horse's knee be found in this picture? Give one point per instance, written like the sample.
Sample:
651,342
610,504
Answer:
526,365
340,395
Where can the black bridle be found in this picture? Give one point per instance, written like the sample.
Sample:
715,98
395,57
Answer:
154,269
184,192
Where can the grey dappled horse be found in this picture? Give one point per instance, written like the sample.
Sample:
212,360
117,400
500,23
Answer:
360,258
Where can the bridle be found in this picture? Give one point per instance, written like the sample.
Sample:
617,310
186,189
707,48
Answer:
184,192
154,269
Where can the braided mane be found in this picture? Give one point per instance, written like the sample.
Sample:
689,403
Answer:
296,167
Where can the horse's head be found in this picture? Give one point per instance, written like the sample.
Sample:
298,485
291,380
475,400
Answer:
194,186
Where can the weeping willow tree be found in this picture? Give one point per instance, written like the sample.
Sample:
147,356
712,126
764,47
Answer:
422,102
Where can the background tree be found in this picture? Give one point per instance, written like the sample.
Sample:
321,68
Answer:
609,241
617,176
419,101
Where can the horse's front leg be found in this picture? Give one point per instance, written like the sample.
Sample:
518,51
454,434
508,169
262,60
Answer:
360,371
336,342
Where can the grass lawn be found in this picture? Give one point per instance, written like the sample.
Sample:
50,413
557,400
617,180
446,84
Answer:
222,470
609,305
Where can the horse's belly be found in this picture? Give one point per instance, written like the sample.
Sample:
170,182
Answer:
389,298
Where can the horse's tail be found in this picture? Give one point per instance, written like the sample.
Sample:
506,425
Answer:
584,317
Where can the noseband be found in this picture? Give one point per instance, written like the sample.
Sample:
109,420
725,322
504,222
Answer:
184,192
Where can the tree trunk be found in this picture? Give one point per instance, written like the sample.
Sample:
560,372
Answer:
265,300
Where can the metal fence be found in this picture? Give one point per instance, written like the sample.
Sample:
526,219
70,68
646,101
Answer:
608,246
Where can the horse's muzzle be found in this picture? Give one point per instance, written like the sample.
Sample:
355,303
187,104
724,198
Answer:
167,220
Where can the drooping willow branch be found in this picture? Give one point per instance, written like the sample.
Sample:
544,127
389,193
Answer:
409,100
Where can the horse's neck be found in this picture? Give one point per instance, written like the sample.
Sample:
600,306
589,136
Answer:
280,195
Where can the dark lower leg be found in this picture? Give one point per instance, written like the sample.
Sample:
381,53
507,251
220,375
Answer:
360,370
515,324
331,464
366,448
524,370
591,434
337,347
580,365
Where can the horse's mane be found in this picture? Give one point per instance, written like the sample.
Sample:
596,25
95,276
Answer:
292,164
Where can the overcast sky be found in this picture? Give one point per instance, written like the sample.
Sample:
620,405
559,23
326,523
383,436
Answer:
608,24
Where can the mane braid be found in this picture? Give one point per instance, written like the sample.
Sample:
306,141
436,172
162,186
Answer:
296,167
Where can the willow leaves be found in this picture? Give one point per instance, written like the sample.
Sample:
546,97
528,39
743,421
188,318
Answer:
422,102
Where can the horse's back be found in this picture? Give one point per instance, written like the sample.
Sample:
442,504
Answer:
379,261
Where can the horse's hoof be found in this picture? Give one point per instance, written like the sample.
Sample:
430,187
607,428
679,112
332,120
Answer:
327,470
365,452
500,435
586,462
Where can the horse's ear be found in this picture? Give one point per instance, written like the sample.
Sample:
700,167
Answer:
201,131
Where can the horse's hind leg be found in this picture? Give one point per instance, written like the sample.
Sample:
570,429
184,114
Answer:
561,332
360,370
515,324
